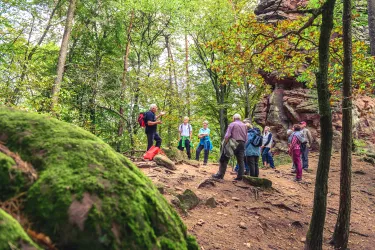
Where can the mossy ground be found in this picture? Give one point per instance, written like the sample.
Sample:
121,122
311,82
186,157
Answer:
12,235
125,210
257,182
12,180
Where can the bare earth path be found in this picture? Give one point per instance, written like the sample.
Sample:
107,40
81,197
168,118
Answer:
275,219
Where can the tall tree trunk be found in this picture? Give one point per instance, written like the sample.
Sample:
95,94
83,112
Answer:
187,75
171,92
341,234
223,110
371,24
247,99
314,237
120,130
62,56
29,55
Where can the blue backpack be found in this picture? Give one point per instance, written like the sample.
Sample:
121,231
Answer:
257,139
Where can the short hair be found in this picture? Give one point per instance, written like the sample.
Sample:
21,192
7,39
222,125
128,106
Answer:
248,125
289,132
297,127
237,117
153,106
205,122
186,118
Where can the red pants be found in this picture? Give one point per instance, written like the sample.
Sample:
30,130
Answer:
297,162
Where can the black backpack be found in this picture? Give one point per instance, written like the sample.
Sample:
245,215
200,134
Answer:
257,139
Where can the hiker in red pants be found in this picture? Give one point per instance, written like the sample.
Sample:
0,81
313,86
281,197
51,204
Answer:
297,139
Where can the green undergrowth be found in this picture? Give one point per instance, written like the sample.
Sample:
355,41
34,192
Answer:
12,235
12,181
282,159
88,196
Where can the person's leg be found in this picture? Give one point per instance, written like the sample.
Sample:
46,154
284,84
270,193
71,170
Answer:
297,163
240,155
150,140
256,160
187,146
305,157
265,156
270,159
223,166
250,163
198,152
206,152
157,139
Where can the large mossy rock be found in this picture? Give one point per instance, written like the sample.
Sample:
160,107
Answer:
257,182
188,200
164,161
175,154
87,195
12,235
12,181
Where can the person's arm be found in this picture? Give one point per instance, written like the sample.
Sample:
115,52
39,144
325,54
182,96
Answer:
311,139
228,134
179,132
159,115
191,131
150,123
248,140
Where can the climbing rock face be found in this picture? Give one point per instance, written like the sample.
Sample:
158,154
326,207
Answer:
291,102
87,195
274,10
302,105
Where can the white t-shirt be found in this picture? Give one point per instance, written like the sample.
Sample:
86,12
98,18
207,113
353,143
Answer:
185,129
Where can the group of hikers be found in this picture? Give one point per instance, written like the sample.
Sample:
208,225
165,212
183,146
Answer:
241,140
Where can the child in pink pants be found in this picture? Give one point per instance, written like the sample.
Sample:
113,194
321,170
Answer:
295,150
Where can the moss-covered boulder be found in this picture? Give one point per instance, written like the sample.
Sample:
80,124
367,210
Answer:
87,195
188,200
164,161
257,182
175,154
13,178
12,235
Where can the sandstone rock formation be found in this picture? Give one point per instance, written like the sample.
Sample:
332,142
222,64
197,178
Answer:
291,102
285,107
273,10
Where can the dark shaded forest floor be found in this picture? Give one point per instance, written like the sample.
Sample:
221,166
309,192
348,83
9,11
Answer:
275,219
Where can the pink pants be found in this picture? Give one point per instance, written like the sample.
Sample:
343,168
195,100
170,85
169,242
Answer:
297,162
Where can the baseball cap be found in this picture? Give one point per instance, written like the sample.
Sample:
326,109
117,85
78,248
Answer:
302,123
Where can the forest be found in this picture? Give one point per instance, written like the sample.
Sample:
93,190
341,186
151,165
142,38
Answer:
98,64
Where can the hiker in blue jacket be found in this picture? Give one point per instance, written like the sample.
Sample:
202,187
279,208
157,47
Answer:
252,149
204,143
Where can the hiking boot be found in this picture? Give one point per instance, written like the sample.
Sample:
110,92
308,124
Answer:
293,171
238,178
297,179
247,173
217,176
204,163
305,169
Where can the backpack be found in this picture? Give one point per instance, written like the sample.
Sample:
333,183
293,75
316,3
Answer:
180,127
142,120
257,139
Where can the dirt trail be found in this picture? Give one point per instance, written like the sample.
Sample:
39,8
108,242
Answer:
275,219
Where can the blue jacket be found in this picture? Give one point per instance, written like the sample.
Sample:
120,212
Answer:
250,149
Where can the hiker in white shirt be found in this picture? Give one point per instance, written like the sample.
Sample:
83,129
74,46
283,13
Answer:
185,132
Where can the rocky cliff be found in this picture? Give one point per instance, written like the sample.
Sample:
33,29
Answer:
291,102
285,107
